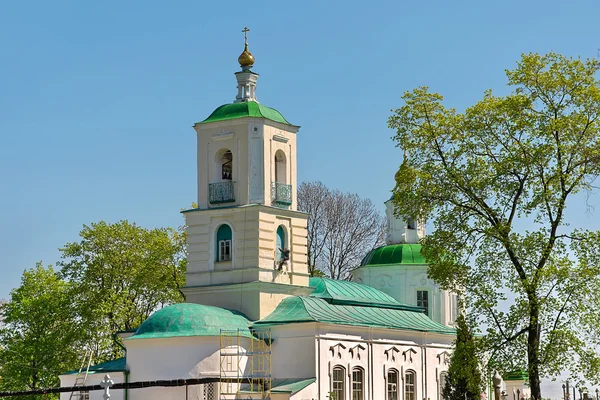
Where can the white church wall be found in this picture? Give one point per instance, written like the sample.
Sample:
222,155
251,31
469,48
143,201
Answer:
378,351
402,281
293,351
308,393
174,358
94,379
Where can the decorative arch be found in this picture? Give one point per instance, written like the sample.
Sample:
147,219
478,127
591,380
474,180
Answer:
224,243
338,382
280,167
393,384
358,383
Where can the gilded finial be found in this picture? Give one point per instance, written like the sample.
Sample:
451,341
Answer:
246,59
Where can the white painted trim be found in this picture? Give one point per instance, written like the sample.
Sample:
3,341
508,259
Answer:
280,138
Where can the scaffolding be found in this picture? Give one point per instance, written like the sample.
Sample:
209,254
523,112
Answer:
245,365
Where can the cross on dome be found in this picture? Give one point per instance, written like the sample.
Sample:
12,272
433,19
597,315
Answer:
246,59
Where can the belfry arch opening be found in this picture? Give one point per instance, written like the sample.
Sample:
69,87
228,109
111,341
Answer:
280,167
224,165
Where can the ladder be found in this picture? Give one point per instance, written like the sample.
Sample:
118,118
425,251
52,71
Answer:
82,375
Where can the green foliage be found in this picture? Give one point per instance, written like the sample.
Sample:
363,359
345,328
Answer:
496,181
121,273
464,377
40,335
111,280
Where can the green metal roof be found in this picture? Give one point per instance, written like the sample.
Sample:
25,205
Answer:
352,293
187,319
245,109
516,376
290,385
312,309
117,365
394,254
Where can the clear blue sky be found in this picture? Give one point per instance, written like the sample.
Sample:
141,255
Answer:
97,99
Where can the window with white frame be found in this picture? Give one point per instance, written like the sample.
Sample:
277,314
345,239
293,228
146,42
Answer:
338,383
423,300
224,240
224,250
453,307
358,385
392,385
409,385
443,377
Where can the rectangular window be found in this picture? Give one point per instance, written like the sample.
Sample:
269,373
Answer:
423,300
225,250
409,386
392,385
357,384
454,307
338,383
84,396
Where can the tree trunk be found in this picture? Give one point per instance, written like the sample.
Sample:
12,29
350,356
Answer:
533,349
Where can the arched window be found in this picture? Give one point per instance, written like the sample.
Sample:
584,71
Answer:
338,383
392,385
281,242
409,385
280,167
358,383
443,377
224,243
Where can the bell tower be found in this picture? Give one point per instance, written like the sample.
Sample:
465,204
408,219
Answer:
246,240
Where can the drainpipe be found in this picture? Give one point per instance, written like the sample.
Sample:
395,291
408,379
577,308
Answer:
318,368
126,372
371,383
424,364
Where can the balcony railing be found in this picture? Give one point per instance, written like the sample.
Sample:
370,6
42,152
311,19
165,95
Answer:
221,192
281,194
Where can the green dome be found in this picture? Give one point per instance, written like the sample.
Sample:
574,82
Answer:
188,319
394,254
245,109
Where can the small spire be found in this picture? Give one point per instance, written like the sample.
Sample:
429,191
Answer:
246,59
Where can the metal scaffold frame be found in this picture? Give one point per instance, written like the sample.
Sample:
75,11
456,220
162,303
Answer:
260,366
245,370
230,376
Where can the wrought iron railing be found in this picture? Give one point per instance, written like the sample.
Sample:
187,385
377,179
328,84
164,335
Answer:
281,194
221,192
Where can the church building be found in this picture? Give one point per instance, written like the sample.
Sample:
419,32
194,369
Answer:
254,319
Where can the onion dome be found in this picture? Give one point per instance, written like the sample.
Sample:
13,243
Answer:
246,59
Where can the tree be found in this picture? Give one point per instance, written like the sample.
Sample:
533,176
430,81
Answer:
464,377
496,181
40,335
120,274
342,228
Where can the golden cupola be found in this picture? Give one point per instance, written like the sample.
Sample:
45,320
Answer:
246,59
